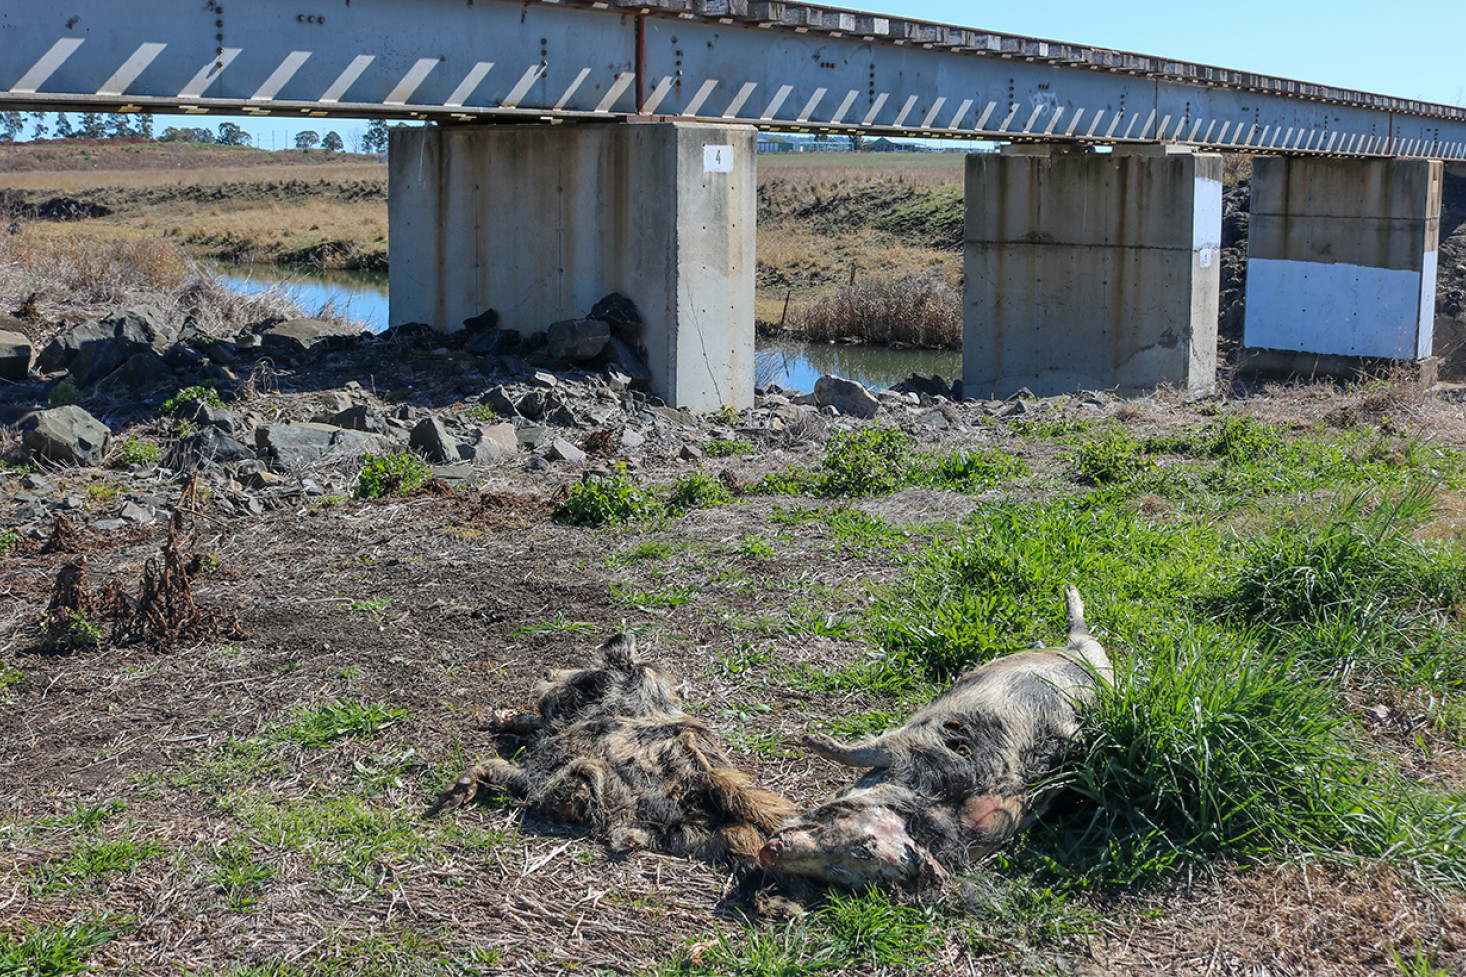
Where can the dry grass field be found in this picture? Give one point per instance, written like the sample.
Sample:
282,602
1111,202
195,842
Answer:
825,219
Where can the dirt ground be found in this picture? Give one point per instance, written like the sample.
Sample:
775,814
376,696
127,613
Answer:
449,607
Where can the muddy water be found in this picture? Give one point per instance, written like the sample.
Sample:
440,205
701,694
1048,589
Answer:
363,296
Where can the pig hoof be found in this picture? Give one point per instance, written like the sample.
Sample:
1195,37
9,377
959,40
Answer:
463,791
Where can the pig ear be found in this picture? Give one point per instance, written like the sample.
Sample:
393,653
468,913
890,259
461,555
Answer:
620,651
992,816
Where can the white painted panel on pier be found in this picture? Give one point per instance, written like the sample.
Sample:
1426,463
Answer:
1337,308
1206,217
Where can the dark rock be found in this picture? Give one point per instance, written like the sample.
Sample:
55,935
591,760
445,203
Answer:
15,356
207,447
410,333
487,319
211,415
64,346
141,325
621,356
95,360
221,353
183,358
532,435
690,452
498,398
621,314
141,370
360,418
846,396
66,434
563,416
431,439
493,342
536,464
925,383
579,340
304,335
289,445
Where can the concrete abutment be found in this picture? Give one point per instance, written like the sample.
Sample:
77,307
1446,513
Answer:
1341,264
1090,270
538,222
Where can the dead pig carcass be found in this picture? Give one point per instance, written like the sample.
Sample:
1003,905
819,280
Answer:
612,748
957,779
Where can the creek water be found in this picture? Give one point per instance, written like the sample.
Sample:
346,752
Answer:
795,366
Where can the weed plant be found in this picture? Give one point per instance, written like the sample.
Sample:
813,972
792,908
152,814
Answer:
134,452
612,499
697,491
394,474
727,447
64,630
188,398
332,721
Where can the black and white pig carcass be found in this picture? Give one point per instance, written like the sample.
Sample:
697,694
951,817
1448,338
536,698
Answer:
612,748
962,776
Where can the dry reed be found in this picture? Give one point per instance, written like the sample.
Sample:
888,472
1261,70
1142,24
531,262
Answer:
74,277
917,311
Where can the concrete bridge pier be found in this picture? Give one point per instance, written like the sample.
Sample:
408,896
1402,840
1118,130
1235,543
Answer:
1091,270
1341,263
538,222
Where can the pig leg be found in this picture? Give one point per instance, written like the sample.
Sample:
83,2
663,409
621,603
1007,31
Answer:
1081,642
870,752
496,772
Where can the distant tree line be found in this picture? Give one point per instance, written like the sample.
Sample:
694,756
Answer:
113,125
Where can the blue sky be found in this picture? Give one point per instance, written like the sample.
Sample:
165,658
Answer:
1406,48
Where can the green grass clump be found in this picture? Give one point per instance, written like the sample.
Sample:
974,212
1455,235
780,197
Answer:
332,721
65,394
1347,558
8,538
134,452
394,474
871,460
611,499
997,587
697,491
482,413
46,951
971,471
96,861
726,447
1206,747
189,397
237,874
1110,458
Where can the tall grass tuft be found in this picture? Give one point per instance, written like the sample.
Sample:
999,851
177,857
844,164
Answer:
1205,747
920,311
87,277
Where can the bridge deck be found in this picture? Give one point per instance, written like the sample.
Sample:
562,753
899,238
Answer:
775,65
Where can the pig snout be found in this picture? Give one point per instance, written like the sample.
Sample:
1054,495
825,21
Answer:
870,848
